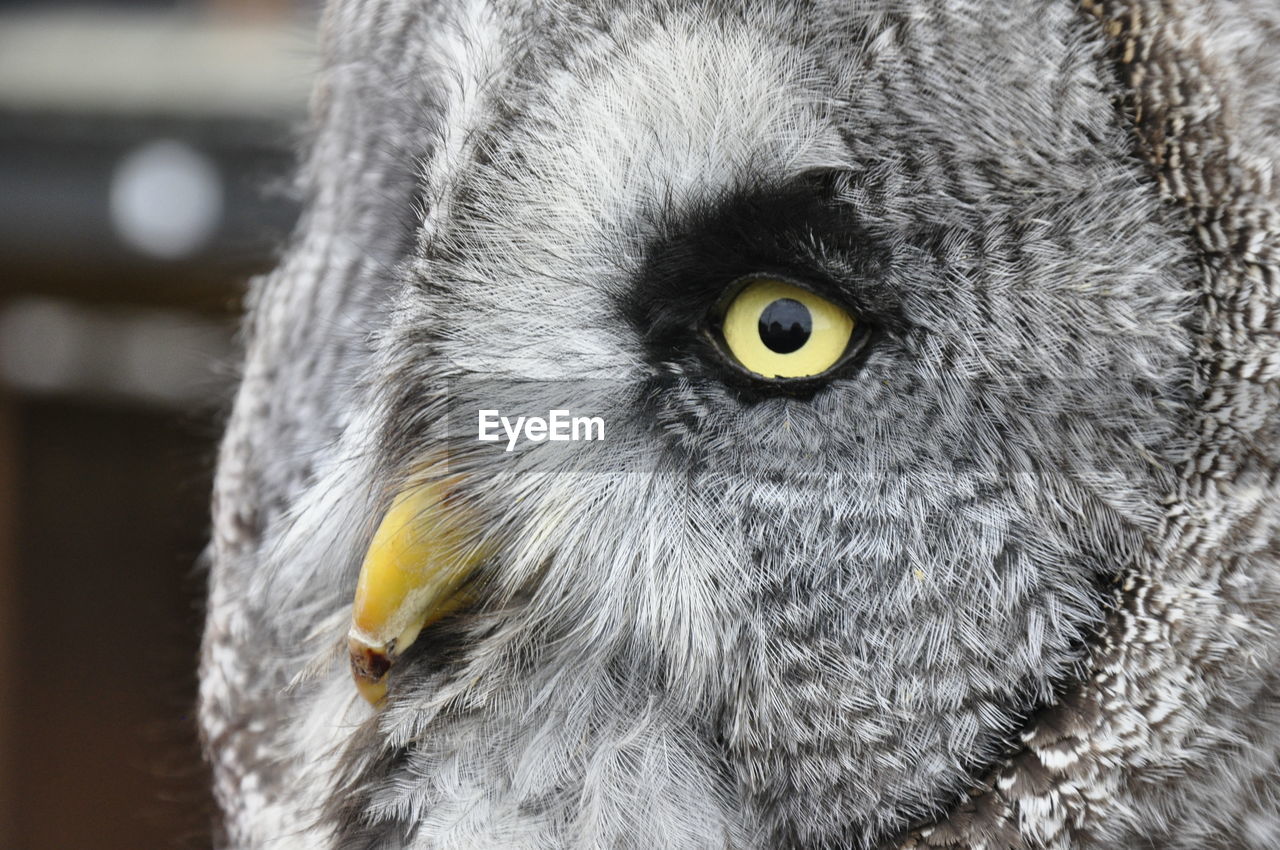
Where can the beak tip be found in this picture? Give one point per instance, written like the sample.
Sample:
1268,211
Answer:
373,692
369,666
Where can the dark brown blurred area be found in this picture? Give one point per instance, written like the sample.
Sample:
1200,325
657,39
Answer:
145,150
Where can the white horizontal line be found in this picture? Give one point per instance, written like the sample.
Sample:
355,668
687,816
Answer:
168,63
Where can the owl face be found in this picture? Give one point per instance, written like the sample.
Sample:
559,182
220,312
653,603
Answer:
890,356
889,370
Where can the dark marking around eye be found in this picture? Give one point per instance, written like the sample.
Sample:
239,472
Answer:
785,325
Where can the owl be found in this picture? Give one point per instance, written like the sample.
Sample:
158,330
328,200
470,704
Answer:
763,425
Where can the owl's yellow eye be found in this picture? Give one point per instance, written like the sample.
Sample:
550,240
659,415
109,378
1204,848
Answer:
777,330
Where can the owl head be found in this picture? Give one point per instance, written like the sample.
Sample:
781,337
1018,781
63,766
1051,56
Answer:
752,426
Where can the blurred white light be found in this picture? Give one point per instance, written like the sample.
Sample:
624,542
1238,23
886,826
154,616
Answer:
166,199
153,357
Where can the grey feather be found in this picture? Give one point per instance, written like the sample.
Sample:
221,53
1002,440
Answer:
1010,583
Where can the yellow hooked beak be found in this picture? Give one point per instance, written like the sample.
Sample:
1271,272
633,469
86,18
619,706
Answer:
414,573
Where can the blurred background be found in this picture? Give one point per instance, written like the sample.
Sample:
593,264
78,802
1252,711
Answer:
146,148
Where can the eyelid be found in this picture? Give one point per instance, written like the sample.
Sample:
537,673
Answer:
734,289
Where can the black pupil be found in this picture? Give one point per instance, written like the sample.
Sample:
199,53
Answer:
785,325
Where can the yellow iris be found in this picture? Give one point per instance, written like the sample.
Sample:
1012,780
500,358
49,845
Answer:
777,330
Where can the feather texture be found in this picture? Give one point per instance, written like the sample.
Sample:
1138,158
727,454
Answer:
1007,580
